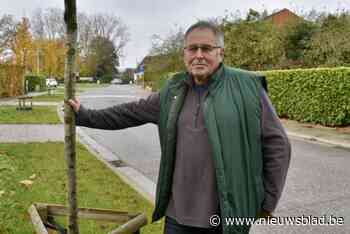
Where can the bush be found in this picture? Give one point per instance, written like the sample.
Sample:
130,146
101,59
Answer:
85,82
311,95
11,80
106,79
157,85
33,81
126,79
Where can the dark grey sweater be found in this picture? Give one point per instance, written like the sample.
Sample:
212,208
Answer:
194,195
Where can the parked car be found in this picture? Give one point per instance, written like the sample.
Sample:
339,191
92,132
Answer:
51,82
116,81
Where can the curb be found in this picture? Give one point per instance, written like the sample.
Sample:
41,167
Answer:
144,186
15,103
129,175
318,139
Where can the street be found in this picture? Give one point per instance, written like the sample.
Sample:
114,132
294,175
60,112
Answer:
317,183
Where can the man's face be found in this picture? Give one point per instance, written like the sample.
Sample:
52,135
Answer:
201,54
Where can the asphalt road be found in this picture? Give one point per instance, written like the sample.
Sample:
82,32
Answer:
318,182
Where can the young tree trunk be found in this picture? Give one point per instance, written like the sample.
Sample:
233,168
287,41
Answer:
69,118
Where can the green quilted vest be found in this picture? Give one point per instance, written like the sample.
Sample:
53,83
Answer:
232,117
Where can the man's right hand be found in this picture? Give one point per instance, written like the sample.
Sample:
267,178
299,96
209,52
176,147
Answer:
75,104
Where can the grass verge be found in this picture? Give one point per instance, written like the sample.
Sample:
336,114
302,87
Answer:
44,165
82,87
38,115
55,97
58,93
91,85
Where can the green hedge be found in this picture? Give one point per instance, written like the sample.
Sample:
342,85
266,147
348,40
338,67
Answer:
34,80
106,79
320,95
311,95
161,81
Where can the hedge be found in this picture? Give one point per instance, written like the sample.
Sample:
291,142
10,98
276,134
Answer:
11,80
319,95
106,79
34,80
161,81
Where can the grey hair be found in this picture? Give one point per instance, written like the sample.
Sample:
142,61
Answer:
219,35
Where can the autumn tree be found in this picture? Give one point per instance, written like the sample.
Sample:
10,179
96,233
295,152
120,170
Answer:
49,34
52,55
11,75
22,44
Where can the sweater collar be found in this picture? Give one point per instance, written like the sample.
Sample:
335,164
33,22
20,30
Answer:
212,81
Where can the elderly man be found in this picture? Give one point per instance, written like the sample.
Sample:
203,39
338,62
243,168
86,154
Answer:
224,151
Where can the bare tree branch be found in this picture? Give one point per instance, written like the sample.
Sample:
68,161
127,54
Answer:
7,31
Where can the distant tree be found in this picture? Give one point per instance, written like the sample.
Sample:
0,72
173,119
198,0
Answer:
169,50
330,44
85,33
48,28
296,39
7,31
252,45
112,28
253,15
38,24
48,24
92,27
102,58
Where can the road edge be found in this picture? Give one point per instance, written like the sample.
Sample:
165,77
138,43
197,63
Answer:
136,180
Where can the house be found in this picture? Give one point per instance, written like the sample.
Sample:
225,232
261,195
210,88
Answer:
139,71
284,17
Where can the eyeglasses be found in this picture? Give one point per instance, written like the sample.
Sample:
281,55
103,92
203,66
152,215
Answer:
206,49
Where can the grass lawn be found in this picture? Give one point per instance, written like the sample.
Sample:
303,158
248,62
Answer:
39,115
82,87
91,85
44,165
55,97
58,93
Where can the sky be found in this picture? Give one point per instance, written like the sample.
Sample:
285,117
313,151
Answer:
145,18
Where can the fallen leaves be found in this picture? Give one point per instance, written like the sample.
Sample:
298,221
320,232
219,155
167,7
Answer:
11,193
27,183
